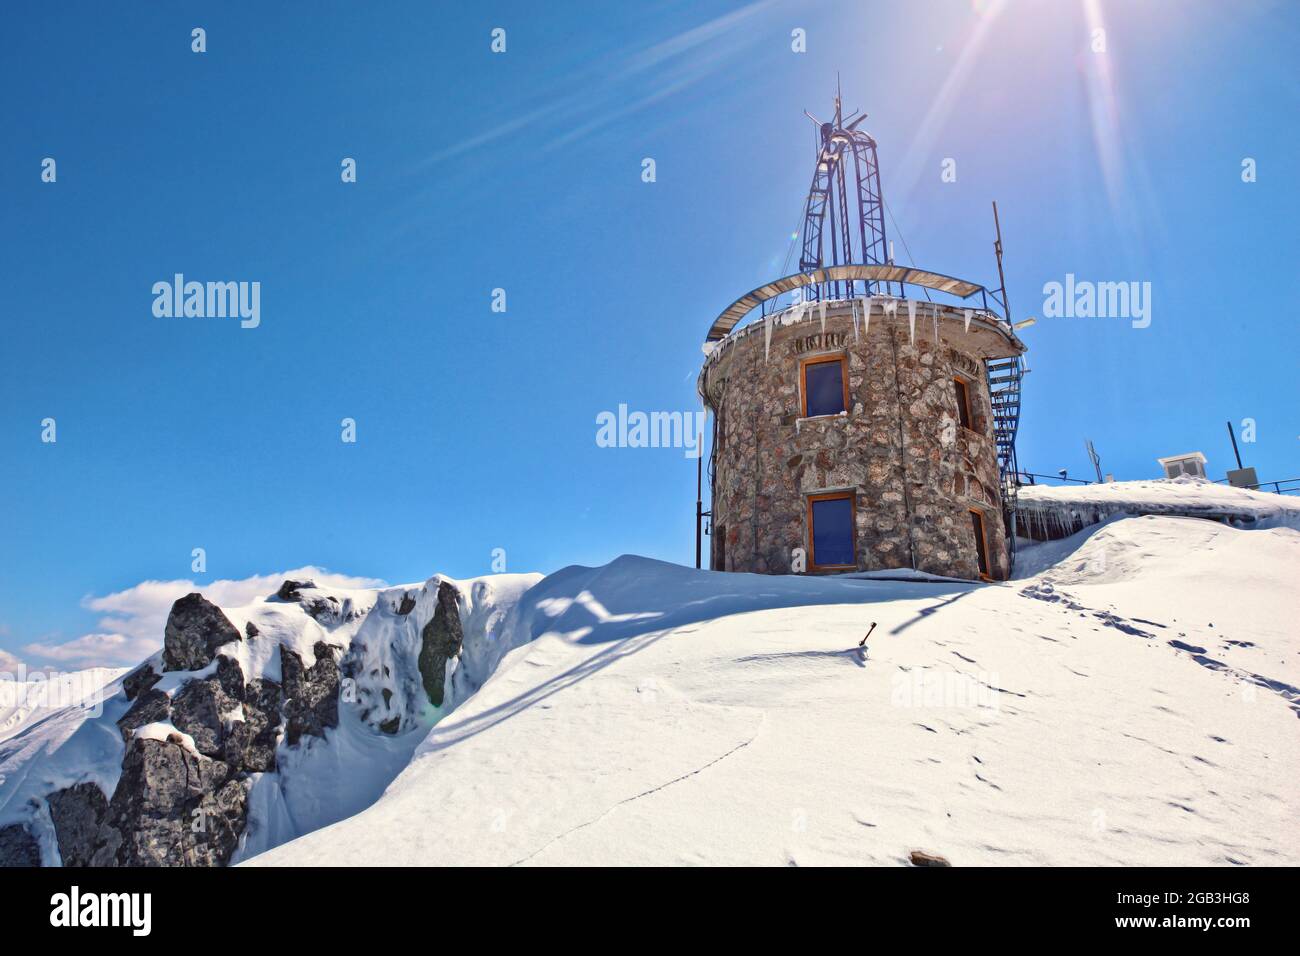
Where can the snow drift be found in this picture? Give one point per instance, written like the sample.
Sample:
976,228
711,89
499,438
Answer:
1133,702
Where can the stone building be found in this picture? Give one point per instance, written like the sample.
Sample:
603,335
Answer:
857,434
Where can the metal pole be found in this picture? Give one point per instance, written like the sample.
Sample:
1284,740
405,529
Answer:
997,249
699,504
1234,445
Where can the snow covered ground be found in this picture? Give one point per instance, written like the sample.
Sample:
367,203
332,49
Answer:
1130,700
28,699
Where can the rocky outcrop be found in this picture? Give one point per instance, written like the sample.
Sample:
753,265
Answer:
139,681
251,742
289,590
18,847
441,640
150,707
204,710
172,807
195,629
311,695
326,610
78,812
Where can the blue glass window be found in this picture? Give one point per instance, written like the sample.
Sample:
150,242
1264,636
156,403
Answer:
823,388
832,531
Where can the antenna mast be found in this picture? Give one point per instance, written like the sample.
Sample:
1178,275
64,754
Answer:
837,141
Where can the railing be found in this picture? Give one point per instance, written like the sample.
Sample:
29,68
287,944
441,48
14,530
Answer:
1292,484
1061,478
1274,486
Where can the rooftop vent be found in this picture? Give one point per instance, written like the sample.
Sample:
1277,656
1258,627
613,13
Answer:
1192,463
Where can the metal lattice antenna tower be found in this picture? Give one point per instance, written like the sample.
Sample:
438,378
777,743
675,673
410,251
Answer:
830,196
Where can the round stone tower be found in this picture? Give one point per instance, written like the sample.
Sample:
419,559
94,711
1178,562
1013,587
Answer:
859,433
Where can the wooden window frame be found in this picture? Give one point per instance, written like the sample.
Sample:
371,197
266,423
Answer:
853,530
964,402
803,381
982,547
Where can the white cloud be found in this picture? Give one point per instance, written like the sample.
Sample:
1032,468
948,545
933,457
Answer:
10,664
133,620
93,650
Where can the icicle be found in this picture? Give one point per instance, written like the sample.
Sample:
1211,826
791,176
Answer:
934,313
822,309
866,316
854,306
767,335
969,313
911,319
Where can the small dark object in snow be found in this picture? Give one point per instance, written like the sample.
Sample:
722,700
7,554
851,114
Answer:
863,642
250,629
921,858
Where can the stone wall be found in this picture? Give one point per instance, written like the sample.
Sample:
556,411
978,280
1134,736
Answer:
915,470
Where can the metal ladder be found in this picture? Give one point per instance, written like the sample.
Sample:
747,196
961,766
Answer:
1004,377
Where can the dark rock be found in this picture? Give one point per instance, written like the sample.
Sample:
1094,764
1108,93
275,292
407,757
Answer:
150,707
250,630
230,676
195,629
172,808
18,847
921,858
441,640
251,743
198,709
289,590
139,681
77,812
391,725
407,606
311,694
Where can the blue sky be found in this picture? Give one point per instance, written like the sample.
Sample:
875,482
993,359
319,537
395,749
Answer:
522,171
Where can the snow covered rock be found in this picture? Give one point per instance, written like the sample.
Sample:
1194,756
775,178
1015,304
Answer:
201,709
252,725
172,807
311,694
440,641
195,629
